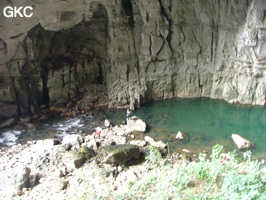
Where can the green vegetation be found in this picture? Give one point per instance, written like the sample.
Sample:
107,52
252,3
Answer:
220,176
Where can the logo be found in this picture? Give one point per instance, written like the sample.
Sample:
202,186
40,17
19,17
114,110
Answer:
15,11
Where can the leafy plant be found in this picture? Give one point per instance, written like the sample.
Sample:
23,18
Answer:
154,156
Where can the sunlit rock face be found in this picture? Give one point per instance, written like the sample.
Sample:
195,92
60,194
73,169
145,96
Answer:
139,50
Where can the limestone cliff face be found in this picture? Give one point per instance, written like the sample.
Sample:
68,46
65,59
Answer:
140,50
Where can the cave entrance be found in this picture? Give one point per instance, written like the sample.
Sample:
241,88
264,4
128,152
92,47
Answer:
71,60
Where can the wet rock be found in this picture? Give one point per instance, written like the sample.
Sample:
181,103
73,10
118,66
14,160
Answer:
241,142
136,124
120,154
8,123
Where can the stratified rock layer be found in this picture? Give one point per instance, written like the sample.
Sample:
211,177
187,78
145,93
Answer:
139,50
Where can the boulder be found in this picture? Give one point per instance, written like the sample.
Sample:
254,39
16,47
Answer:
91,143
46,145
152,142
136,124
73,140
241,142
116,139
87,152
158,144
73,160
8,123
120,154
14,179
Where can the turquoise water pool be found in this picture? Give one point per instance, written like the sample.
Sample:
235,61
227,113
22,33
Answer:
206,121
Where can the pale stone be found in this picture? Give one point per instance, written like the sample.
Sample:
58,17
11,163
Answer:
148,138
241,142
73,140
140,143
180,135
73,160
136,124
158,144
107,122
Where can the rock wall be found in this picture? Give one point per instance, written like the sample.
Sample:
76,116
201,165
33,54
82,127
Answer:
140,50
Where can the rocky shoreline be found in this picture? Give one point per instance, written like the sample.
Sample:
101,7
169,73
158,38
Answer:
54,169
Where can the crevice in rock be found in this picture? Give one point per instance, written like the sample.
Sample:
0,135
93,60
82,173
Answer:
128,11
45,91
166,13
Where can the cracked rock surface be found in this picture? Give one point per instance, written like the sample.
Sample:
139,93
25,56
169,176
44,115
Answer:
137,50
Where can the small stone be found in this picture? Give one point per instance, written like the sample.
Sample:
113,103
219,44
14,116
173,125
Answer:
180,135
107,123
119,168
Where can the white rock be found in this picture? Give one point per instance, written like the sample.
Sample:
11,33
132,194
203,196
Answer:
180,135
73,140
149,139
107,123
158,144
241,142
136,124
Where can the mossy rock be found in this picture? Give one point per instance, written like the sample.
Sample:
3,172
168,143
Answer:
73,160
86,152
120,154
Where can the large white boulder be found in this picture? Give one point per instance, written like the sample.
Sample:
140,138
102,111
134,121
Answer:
73,140
136,124
241,142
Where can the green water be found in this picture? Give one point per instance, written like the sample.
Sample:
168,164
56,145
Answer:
207,122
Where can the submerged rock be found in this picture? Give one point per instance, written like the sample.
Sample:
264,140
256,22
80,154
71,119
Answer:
241,142
120,154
